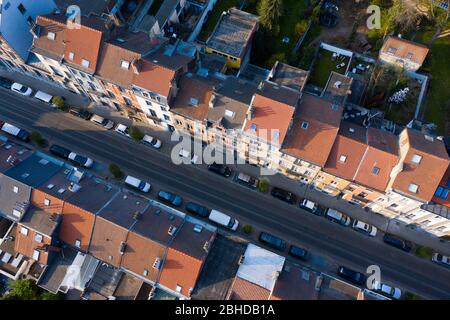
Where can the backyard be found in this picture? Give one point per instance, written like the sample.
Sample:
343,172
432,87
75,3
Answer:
437,103
324,65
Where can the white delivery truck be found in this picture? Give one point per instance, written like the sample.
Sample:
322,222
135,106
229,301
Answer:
223,219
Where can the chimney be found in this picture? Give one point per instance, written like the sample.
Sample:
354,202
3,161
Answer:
212,100
136,65
250,113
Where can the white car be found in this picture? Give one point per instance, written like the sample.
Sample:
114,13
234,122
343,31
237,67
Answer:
152,142
365,228
185,154
105,123
388,291
81,160
122,129
441,259
21,89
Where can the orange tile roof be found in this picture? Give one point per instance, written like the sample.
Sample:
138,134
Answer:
272,109
404,48
153,77
83,42
382,153
245,290
180,269
352,146
429,172
314,143
193,87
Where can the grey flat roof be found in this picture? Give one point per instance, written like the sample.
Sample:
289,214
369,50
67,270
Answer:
41,221
289,76
34,170
122,208
233,31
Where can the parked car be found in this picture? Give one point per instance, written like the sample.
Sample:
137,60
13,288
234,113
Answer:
105,123
5,83
351,275
123,129
193,158
82,113
397,242
365,228
310,206
388,291
21,89
44,97
23,135
441,259
197,209
283,195
298,252
338,217
151,141
60,151
272,241
16,132
221,169
81,160
247,180
170,198
137,184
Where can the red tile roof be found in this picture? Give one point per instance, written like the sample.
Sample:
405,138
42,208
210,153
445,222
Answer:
429,172
272,109
154,77
245,290
314,143
382,153
180,269
403,48
351,145
83,42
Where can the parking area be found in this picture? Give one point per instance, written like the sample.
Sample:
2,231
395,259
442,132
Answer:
220,268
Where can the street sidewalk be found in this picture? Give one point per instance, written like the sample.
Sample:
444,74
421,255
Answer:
36,84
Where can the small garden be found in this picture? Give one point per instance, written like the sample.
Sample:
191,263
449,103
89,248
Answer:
324,65
394,93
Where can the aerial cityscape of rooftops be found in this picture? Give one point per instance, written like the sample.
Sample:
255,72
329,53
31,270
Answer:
224,150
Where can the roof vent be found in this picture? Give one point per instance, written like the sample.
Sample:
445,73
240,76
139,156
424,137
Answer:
125,197
157,263
137,215
172,230
351,130
198,228
241,259
74,187
206,246
43,161
123,247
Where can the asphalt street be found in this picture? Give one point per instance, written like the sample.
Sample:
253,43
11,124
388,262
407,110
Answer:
320,236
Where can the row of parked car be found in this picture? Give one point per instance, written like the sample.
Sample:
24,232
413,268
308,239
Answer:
28,92
75,158
14,131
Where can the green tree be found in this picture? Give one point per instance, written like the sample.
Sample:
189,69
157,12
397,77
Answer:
51,296
269,11
37,138
263,186
21,289
59,102
115,170
247,228
136,134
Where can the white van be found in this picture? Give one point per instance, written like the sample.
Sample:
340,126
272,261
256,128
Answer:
44,97
138,184
107,124
186,154
9,128
338,217
223,219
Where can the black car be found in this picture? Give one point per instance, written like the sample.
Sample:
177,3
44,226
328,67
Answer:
82,113
272,241
5,83
197,209
283,195
351,275
23,135
60,151
221,169
298,252
397,242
